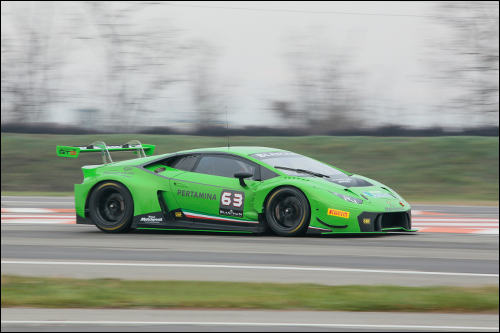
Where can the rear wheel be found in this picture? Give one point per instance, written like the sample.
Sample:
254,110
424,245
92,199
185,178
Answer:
111,207
288,212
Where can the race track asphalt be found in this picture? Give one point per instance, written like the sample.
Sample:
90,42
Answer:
132,320
404,259
83,251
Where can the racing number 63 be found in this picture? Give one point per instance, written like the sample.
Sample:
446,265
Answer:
232,199
237,200
231,203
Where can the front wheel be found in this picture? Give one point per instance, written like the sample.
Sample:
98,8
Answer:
111,207
288,212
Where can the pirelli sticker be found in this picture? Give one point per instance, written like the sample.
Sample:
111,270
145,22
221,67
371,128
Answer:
338,213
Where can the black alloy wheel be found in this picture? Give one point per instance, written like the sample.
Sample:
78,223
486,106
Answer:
288,212
111,207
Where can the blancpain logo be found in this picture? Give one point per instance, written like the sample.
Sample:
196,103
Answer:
152,219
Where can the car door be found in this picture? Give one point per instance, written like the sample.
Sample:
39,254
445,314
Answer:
168,169
212,192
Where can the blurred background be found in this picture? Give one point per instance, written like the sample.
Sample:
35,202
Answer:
245,69
403,92
295,67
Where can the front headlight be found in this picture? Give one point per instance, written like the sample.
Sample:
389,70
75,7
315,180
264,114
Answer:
348,198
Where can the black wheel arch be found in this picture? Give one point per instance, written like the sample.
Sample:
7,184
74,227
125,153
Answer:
274,190
96,185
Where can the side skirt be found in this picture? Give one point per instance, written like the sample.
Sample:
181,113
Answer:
177,220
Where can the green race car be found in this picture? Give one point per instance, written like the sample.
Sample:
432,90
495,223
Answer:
231,189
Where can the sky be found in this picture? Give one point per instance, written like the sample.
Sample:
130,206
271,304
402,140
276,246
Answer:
389,50
385,48
390,44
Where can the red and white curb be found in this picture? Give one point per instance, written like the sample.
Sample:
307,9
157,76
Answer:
37,210
23,215
423,221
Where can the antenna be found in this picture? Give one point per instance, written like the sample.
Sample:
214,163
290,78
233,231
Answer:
227,129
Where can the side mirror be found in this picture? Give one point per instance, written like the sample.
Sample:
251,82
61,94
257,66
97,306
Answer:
241,176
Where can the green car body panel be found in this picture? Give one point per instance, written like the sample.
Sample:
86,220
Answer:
169,198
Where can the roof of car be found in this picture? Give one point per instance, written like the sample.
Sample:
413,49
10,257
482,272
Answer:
240,150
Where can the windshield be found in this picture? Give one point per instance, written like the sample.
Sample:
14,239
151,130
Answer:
296,161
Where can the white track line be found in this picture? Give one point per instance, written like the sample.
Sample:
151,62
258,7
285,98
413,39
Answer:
38,202
26,210
487,232
289,268
59,221
458,224
59,216
225,323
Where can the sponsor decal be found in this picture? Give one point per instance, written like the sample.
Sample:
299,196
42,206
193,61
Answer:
377,194
348,198
273,154
67,151
216,218
366,220
151,219
338,213
231,203
196,194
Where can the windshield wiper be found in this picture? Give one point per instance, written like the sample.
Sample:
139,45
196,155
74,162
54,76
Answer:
303,171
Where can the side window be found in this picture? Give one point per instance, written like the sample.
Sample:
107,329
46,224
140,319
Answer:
185,163
266,174
223,166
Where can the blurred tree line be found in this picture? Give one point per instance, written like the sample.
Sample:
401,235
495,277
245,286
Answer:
469,59
139,61
471,56
146,60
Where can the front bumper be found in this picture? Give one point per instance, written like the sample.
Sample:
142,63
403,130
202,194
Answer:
364,222
386,221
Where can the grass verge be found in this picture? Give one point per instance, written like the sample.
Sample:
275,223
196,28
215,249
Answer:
419,168
113,293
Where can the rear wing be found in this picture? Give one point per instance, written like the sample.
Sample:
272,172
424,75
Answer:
142,150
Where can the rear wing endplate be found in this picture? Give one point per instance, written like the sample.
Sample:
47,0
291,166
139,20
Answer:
142,150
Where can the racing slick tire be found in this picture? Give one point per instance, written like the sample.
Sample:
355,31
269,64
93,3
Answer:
288,212
111,207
